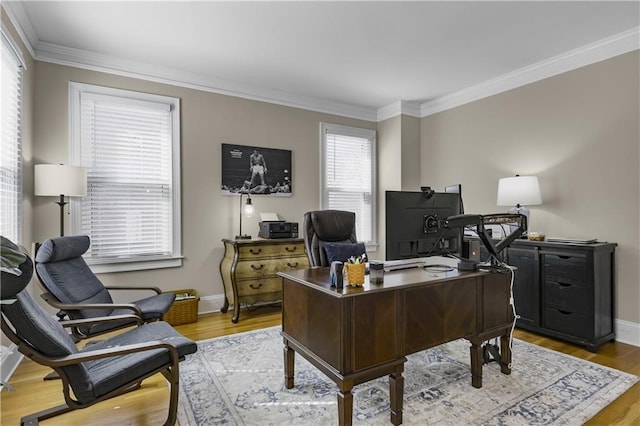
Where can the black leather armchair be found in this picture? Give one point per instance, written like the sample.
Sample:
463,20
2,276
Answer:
326,226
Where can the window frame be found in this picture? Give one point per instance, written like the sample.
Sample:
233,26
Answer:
104,265
11,45
358,132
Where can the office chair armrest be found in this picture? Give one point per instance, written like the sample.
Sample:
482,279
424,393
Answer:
117,287
50,299
98,320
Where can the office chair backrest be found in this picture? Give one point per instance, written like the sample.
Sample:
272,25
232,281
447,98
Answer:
64,273
327,226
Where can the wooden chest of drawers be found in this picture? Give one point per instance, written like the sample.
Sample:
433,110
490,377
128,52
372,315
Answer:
249,270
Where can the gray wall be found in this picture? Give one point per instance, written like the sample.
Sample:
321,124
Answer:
578,132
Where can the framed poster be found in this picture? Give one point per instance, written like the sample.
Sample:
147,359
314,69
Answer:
256,170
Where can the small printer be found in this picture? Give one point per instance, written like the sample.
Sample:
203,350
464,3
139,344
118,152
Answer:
278,229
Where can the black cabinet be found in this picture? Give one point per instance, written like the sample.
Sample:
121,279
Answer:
564,290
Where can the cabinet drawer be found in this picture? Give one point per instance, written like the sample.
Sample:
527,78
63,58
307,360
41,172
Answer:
568,297
261,251
566,269
257,268
258,286
571,323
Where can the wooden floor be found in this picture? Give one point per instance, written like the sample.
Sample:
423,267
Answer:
148,405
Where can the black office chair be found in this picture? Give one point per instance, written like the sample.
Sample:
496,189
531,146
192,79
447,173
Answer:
97,372
322,227
73,288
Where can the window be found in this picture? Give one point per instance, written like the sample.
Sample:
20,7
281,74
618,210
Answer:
129,143
349,174
11,150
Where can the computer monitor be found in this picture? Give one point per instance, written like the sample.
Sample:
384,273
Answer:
414,224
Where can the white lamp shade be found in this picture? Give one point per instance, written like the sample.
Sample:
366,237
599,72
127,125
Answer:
59,179
519,190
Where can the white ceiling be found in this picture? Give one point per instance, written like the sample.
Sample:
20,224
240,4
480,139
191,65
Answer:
359,55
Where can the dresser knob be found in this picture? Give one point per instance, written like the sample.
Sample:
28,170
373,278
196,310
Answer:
292,265
290,249
257,251
255,287
256,268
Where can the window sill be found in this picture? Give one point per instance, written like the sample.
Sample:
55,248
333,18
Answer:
139,265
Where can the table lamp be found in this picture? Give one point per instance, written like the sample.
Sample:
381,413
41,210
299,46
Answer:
60,180
519,191
248,211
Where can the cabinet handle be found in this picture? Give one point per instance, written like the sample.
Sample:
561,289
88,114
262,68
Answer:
292,265
564,312
289,249
258,251
563,284
256,268
563,256
256,287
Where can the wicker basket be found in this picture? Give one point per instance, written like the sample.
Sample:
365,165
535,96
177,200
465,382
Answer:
183,311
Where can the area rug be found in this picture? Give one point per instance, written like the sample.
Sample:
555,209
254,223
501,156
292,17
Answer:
239,380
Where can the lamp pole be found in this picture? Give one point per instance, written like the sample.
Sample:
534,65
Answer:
61,203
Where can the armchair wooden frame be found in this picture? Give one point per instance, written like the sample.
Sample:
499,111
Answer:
170,371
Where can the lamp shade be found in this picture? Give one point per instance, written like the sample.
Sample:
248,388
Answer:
60,179
519,190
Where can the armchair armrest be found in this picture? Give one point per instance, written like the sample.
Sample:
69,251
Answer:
109,352
50,299
118,287
98,320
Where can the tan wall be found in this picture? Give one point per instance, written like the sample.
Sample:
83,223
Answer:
579,132
208,120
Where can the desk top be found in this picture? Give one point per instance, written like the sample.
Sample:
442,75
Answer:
319,278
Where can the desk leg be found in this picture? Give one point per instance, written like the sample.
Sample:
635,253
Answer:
396,389
289,362
505,354
476,365
345,406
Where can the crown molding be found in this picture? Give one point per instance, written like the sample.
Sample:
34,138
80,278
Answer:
399,108
609,47
53,53
21,24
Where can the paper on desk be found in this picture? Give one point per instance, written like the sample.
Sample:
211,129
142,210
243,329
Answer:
269,217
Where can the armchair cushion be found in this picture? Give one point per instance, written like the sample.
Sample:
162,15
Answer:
343,251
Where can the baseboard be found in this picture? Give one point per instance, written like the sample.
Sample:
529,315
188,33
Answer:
628,332
9,361
210,304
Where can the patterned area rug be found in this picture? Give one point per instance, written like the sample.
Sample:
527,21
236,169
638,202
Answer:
239,380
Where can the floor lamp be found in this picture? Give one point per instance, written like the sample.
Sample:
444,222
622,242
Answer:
52,180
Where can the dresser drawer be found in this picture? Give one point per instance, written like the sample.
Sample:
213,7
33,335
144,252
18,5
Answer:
566,269
568,297
259,285
266,267
261,251
567,322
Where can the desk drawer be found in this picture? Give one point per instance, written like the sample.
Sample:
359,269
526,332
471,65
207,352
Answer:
261,251
570,268
568,297
259,285
567,322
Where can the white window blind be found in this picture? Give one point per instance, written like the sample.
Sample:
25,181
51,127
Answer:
348,169
11,151
127,145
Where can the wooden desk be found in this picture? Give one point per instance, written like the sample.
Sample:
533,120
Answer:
357,334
